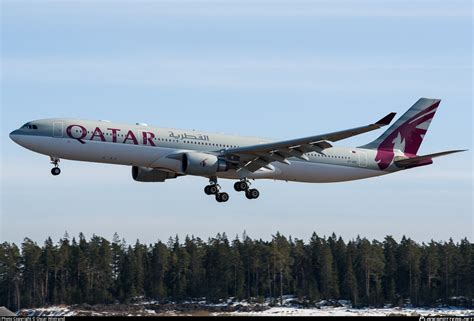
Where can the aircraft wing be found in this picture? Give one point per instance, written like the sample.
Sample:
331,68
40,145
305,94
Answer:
258,156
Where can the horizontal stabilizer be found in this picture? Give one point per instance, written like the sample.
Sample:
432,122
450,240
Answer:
423,160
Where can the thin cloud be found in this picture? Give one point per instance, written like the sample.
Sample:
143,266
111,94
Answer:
232,72
228,9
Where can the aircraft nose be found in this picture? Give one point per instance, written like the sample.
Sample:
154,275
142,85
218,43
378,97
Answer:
14,135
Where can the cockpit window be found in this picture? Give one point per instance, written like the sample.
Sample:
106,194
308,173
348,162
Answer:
29,126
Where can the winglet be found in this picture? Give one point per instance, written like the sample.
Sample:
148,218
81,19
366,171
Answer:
386,120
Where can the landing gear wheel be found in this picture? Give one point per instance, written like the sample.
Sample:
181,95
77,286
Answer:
213,189
237,187
247,194
55,171
252,194
222,197
241,186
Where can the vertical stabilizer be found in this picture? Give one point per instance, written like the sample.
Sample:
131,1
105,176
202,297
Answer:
406,134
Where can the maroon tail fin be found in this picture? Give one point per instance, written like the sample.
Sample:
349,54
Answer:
406,134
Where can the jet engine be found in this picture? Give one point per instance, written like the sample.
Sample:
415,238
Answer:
146,174
202,164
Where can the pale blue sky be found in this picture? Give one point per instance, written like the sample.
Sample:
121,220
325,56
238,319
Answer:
275,69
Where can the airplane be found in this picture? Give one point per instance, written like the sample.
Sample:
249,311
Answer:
159,154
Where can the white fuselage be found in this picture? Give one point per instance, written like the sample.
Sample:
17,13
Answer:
145,146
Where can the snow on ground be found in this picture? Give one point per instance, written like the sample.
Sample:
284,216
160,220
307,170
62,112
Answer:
342,311
241,308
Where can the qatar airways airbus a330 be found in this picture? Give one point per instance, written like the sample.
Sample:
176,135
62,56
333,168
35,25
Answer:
157,154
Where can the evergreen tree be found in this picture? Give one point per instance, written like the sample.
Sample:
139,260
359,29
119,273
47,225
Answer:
390,270
100,270
430,274
328,278
282,261
62,293
178,269
298,256
140,253
409,260
195,273
128,270
350,291
159,263
465,269
339,253
367,273
218,268
314,251
376,273
369,269
238,275
10,276
83,270
48,269
118,254
31,275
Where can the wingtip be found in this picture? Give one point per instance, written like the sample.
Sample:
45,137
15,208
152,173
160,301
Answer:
458,151
434,99
386,120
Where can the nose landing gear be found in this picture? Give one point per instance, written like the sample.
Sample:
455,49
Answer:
55,171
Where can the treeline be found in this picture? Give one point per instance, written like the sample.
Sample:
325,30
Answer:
364,272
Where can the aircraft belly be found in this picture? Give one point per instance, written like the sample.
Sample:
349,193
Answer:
308,172
323,173
260,174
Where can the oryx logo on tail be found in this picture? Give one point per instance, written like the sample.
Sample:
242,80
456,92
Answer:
407,134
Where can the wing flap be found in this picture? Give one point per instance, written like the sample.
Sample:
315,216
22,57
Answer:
255,164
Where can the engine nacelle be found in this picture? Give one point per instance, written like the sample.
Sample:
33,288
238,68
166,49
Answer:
146,174
202,164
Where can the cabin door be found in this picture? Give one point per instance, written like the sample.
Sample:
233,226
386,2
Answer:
58,129
362,159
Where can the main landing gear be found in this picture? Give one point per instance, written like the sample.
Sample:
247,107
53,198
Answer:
55,170
241,186
244,186
213,189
